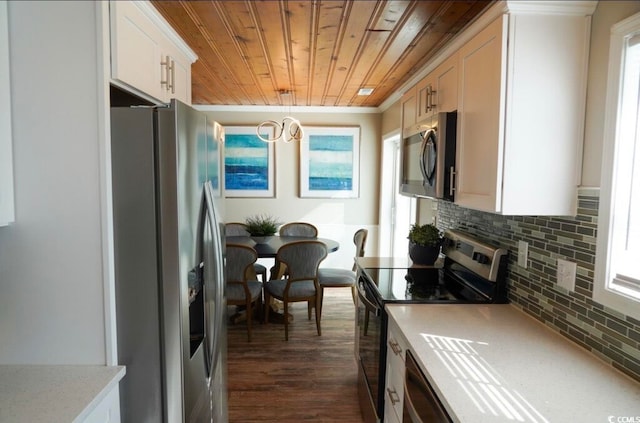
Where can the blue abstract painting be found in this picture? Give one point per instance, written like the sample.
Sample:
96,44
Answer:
248,164
329,162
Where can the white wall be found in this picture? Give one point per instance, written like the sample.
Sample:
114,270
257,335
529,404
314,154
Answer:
51,275
606,15
335,218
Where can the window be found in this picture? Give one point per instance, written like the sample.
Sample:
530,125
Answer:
617,283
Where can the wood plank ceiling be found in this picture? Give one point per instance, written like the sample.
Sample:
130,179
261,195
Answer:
320,51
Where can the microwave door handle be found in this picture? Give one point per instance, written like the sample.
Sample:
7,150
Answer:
428,157
423,164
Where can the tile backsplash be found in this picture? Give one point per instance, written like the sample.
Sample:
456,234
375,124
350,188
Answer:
607,333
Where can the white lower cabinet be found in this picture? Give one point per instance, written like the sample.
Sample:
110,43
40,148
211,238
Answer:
395,368
107,410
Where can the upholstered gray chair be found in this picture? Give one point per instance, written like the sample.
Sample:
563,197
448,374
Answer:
300,283
243,288
302,229
299,229
341,278
240,229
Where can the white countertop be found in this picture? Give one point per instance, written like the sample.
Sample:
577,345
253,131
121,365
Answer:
494,363
53,393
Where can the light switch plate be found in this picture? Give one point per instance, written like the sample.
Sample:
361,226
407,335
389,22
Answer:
523,253
566,274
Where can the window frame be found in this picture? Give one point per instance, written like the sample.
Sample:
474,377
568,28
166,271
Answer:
602,293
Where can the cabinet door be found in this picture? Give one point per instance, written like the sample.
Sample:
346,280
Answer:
6,154
181,80
409,112
424,98
395,368
135,50
481,118
107,410
445,97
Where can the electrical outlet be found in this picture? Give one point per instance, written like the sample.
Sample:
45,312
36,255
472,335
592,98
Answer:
566,274
523,253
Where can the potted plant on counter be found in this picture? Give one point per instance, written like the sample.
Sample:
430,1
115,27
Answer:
262,227
424,243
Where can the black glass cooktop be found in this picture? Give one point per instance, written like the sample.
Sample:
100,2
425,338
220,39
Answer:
421,285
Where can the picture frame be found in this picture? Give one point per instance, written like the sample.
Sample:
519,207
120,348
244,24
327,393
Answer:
214,153
330,162
249,163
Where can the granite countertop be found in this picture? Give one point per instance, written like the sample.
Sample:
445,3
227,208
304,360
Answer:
494,363
53,393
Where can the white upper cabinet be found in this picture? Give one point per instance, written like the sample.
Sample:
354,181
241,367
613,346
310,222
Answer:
521,105
409,112
6,154
438,91
146,53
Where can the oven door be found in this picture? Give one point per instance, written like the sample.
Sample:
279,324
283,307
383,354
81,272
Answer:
370,333
421,405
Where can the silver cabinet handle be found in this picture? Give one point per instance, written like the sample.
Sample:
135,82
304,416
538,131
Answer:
166,66
170,71
393,396
395,347
173,77
430,98
432,104
451,180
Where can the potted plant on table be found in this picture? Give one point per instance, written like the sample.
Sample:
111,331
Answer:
262,227
424,243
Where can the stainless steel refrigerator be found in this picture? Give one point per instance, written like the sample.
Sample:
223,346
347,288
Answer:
168,225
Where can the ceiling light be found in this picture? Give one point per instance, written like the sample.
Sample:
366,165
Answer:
365,91
289,130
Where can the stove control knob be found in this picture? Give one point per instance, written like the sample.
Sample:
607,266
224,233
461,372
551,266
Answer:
480,258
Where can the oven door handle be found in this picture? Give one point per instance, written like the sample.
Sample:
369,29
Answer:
370,306
410,409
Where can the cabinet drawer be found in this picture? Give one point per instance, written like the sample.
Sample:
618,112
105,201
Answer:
394,389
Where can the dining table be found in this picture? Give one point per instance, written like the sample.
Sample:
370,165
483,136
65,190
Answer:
269,249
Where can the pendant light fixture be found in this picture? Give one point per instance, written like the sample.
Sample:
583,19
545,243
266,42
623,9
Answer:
289,130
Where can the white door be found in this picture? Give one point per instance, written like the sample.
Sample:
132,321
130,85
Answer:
397,212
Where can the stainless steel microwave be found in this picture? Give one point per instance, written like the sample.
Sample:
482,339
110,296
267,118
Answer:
428,159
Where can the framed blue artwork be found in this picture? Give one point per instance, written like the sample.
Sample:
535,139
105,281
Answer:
249,163
330,162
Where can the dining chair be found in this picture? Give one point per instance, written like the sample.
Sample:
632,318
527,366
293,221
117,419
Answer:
243,288
302,229
298,229
240,229
300,283
329,277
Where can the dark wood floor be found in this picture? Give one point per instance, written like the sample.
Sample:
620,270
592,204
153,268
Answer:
310,378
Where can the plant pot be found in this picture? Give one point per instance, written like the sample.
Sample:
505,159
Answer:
261,239
425,255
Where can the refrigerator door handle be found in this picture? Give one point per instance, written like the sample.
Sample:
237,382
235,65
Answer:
207,209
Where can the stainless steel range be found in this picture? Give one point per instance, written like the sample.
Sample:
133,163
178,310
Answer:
471,271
